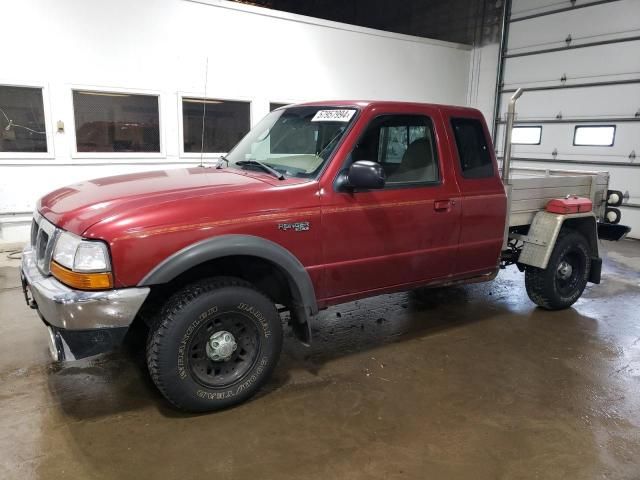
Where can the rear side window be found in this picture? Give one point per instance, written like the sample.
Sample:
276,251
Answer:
473,151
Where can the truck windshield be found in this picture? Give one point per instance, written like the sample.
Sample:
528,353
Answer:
296,141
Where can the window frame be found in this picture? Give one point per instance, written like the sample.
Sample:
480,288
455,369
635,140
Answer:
608,125
538,127
495,170
399,185
283,104
199,96
115,155
46,99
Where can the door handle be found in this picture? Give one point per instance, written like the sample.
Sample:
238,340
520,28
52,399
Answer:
442,205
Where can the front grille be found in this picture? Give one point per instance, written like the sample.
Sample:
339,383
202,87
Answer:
43,235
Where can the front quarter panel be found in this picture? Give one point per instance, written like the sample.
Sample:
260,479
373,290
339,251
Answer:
288,215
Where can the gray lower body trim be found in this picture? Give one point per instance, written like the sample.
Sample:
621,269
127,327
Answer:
239,245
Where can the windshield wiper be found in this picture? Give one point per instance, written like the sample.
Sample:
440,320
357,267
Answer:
223,159
263,166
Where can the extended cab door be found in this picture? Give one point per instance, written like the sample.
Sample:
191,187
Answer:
483,195
404,233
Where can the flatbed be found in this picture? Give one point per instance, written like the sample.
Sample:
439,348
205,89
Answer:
530,189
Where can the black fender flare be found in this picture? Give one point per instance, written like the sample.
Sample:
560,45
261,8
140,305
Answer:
231,245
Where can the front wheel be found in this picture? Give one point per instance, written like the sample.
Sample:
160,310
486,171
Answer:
214,344
565,278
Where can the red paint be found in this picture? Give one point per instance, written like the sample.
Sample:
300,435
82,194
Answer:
569,205
358,244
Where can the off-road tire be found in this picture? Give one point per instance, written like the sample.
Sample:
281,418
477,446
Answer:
546,288
191,314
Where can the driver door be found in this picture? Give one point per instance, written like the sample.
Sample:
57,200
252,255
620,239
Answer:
404,233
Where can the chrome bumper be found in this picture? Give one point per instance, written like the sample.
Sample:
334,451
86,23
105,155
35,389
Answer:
68,309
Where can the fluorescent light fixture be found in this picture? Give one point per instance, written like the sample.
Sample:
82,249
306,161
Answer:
526,135
594,135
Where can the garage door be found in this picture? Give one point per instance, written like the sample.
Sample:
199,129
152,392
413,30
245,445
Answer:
579,63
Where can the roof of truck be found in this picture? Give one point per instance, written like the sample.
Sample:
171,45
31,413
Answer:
380,103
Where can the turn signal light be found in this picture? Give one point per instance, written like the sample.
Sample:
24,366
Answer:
82,281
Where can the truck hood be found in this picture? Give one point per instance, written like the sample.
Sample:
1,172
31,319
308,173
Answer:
79,206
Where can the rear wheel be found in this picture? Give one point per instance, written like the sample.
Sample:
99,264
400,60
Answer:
214,344
565,278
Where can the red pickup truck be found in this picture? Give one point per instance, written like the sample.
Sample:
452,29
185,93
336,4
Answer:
321,203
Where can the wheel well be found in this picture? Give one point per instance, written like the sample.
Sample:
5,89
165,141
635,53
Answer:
266,276
263,274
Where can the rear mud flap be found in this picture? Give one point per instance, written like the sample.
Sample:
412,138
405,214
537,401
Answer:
596,270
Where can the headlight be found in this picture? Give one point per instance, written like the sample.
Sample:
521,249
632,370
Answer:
64,252
82,264
91,257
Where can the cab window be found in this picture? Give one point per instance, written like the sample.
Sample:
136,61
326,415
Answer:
404,145
473,150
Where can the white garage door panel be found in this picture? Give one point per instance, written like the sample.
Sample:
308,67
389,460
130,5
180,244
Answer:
598,23
531,65
560,137
631,218
593,102
523,8
617,61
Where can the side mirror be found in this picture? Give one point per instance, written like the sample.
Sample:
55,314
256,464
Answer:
365,174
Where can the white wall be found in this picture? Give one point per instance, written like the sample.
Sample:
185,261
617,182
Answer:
482,80
162,47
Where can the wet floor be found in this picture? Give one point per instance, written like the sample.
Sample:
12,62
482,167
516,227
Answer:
458,383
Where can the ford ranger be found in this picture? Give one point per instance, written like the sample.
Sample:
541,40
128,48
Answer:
319,204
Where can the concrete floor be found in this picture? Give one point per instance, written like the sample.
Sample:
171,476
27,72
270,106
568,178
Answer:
459,383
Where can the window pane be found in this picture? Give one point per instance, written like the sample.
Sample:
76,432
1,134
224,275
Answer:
294,134
405,147
393,144
275,106
116,122
22,126
294,141
225,123
601,135
526,135
473,151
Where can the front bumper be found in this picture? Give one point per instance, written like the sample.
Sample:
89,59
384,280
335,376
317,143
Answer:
81,323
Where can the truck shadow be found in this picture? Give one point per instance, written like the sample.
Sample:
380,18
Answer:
367,324
119,382
507,353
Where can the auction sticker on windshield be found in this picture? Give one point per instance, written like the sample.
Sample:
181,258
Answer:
333,116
